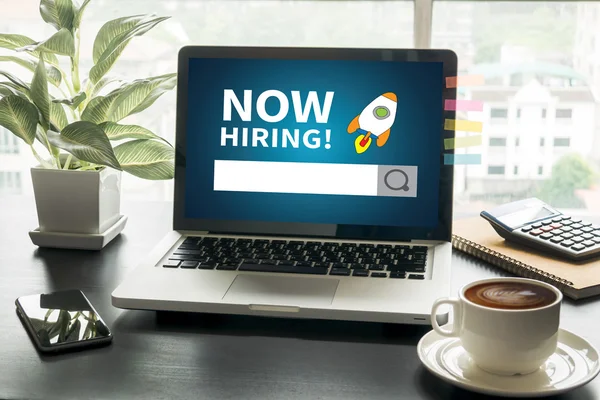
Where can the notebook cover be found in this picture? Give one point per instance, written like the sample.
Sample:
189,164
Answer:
583,276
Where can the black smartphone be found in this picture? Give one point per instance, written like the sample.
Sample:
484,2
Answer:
62,321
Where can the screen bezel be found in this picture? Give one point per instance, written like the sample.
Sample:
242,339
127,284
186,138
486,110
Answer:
443,229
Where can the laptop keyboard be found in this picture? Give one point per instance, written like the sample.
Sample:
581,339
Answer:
300,257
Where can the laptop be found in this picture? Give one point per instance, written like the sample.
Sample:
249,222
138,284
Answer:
309,183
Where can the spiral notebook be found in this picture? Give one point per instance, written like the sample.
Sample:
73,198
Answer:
476,237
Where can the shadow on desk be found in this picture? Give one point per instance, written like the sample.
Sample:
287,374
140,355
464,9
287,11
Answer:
239,325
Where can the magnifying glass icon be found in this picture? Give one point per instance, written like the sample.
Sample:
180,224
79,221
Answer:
396,179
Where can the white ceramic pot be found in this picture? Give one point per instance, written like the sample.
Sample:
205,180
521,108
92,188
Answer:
84,202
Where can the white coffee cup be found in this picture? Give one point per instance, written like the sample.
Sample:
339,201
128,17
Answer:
499,340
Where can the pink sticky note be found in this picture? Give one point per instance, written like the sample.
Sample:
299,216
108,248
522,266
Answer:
463,105
464,80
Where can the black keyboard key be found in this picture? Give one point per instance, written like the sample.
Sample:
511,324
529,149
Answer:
360,272
588,243
288,269
268,262
206,265
285,262
187,251
186,257
398,275
228,266
557,239
378,275
189,264
415,276
304,264
377,267
567,243
340,271
321,264
578,247
171,264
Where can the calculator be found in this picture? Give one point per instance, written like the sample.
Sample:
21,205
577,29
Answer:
534,223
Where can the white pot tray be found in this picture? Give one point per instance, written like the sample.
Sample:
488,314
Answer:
79,241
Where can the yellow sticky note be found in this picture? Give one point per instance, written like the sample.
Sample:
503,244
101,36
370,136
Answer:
462,125
461,142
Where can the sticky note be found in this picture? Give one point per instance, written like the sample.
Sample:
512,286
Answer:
461,142
463,125
463,105
454,159
465,80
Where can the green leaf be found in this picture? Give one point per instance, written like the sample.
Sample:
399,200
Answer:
87,142
112,39
58,117
9,88
146,159
41,137
39,90
58,13
128,99
54,75
102,83
19,116
119,132
16,81
61,43
79,10
73,102
14,42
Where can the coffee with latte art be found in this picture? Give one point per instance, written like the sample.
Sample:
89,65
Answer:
510,295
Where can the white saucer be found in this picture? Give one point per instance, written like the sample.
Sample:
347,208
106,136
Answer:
79,241
574,364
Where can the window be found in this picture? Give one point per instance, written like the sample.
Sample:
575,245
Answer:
10,182
9,143
516,170
542,142
496,170
497,142
562,142
564,113
540,170
499,113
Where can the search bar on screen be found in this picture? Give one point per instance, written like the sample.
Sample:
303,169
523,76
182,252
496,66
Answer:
316,178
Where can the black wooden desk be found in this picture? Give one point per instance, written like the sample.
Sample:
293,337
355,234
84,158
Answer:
173,356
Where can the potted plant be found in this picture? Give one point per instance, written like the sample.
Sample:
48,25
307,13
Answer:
75,121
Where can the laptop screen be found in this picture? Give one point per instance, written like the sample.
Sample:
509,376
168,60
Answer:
334,142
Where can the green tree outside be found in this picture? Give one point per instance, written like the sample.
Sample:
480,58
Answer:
569,173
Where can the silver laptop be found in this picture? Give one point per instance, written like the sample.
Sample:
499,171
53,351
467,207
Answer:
309,183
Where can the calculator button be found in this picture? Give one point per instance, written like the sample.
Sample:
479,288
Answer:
536,225
595,226
547,222
526,228
567,235
556,219
578,247
536,232
577,239
546,235
557,232
567,243
575,220
566,222
587,229
587,236
566,229
588,243
576,226
557,239
596,239
586,223
576,232
546,228
556,226
565,217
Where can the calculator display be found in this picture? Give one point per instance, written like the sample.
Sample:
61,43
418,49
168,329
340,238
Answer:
524,216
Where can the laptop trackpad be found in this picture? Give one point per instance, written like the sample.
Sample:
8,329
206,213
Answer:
280,290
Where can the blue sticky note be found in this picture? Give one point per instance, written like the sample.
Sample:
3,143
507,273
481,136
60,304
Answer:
454,159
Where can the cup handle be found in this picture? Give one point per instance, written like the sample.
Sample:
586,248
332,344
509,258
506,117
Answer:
455,304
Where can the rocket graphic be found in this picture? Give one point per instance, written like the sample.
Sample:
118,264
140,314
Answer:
374,121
